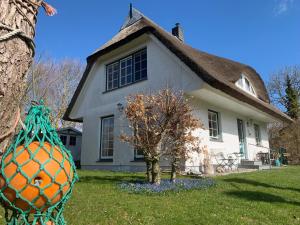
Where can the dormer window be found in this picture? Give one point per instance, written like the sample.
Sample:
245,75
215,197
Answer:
246,85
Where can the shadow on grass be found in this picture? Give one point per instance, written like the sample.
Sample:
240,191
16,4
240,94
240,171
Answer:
256,183
260,197
110,179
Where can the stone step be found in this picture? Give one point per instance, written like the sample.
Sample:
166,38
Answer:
257,167
250,162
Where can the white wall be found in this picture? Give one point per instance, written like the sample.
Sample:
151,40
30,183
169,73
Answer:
228,122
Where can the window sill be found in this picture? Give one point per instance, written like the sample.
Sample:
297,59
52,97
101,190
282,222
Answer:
105,160
138,160
216,140
107,91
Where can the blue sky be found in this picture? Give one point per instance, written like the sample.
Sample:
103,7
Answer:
262,33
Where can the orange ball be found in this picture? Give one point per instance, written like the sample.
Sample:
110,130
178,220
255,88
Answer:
37,177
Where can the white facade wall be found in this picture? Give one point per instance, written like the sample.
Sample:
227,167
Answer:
163,69
229,142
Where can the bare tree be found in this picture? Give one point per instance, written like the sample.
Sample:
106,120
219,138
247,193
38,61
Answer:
148,124
54,82
162,124
278,84
17,30
284,91
180,139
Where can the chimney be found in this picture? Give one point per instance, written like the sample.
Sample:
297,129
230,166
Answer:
178,32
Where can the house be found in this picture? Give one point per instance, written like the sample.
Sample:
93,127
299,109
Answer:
71,139
229,97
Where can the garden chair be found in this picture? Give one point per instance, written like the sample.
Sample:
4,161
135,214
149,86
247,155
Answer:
233,160
222,162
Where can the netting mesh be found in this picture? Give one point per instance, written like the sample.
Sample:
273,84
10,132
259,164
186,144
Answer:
37,173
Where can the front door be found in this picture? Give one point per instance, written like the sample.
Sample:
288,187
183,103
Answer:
242,139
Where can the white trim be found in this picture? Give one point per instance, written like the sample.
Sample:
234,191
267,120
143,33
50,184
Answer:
243,78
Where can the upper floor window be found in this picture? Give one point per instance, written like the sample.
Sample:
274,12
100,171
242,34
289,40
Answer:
246,85
127,70
257,134
112,72
214,125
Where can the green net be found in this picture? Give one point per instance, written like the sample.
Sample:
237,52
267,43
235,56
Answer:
37,173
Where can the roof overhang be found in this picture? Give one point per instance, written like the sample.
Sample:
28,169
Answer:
213,81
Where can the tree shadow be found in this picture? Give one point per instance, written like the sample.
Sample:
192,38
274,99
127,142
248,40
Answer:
256,183
260,197
110,179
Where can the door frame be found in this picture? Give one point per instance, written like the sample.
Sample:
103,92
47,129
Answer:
242,122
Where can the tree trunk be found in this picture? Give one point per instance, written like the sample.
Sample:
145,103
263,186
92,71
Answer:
15,59
149,170
173,172
155,172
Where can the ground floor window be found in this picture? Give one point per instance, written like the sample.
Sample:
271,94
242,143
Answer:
138,154
107,138
257,134
72,140
214,125
63,139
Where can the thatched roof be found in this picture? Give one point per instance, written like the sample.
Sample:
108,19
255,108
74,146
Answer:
220,73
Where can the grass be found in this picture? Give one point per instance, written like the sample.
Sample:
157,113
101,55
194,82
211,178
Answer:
262,197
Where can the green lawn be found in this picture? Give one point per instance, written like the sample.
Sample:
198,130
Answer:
263,197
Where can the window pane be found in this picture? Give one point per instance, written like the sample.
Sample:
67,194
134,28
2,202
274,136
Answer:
72,140
247,83
138,153
257,134
112,71
140,65
63,139
107,137
126,70
213,123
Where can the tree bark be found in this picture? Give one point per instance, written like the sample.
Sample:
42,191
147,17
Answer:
173,173
15,58
156,172
149,170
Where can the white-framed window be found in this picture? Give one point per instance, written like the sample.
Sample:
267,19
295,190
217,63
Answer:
138,154
128,70
257,134
214,125
246,85
112,72
107,137
140,65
